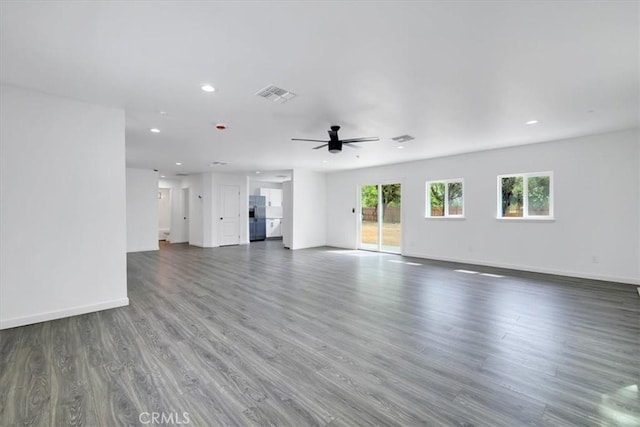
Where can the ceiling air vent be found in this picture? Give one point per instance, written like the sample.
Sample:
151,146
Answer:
276,94
403,138
217,163
182,174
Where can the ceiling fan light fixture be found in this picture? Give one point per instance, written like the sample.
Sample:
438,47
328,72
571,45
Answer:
403,138
334,144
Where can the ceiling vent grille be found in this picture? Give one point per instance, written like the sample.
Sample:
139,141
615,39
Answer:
403,138
182,174
217,163
276,94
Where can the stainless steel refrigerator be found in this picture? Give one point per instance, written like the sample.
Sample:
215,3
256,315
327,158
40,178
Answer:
257,220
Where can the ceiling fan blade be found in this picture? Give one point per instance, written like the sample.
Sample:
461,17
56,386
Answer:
312,140
367,139
320,146
348,144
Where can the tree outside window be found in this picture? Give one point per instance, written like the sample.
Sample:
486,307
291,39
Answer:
525,195
445,198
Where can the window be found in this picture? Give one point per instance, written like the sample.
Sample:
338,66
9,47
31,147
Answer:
445,199
527,195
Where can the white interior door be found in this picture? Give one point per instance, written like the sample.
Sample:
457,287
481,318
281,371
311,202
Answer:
229,213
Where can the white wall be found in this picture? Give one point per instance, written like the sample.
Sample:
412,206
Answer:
309,197
287,213
203,207
142,210
63,214
597,198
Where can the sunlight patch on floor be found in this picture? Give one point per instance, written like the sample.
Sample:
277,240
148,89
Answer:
491,275
467,271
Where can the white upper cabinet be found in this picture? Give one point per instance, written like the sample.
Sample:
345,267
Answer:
273,196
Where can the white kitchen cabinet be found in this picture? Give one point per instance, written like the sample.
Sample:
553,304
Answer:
274,227
276,197
273,196
273,211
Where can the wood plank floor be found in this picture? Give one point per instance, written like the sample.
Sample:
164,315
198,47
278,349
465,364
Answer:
258,335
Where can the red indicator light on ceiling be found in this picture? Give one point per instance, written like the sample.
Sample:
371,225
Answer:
221,126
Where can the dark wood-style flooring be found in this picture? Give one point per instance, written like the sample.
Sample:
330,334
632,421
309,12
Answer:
258,335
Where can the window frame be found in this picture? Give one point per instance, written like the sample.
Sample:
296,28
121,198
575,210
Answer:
446,183
525,197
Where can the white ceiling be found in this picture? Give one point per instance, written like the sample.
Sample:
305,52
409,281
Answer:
458,76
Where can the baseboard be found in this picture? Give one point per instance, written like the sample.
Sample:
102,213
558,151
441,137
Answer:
626,280
152,248
59,314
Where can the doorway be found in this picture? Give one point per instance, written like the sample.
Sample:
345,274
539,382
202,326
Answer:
380,219
164,214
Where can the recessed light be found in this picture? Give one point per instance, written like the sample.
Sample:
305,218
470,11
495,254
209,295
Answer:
532,122
207,88
162,176
178,164
257,172
400,147
163,113
154,130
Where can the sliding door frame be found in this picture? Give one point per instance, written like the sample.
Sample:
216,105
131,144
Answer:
380,215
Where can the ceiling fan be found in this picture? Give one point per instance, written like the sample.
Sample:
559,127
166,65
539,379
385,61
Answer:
335,144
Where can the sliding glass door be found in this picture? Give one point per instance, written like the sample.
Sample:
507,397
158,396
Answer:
369,229
380,224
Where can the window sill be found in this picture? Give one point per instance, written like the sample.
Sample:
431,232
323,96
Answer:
529,218
445,217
